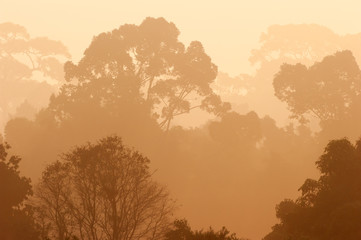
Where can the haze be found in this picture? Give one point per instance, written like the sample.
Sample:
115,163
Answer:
238,105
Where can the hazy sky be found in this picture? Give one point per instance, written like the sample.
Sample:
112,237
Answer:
228,29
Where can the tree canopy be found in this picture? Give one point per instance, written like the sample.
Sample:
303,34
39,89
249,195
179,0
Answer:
327,89
150,64
30,68
103,191
330,207
290,44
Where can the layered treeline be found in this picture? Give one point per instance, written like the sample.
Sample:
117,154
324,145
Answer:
137,82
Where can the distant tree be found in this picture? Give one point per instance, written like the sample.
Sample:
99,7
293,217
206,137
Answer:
169,77
16,221
329,91
182,231
234,90
291,44
26,66
326,89
329,208
306,44
103,191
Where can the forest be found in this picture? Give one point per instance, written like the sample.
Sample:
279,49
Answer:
144,138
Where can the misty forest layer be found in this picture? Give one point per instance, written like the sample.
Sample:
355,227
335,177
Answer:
144,138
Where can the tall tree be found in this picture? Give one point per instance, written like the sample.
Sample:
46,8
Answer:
170,78
104,191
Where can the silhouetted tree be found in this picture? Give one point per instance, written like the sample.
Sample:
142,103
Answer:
26,64
170,78
16,221
291,44
329,208
306,44
104,191
329,90
326,89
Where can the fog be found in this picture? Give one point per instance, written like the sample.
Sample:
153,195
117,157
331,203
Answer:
233,104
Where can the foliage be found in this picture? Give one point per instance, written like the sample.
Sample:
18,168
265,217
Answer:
327,89
103,191
329,208
162,72
29,67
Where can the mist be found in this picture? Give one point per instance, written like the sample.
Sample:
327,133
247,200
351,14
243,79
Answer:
159,121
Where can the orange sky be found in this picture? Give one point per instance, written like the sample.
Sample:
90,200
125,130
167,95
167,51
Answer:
228,29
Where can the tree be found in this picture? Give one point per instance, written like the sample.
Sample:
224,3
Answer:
30,68
306,44
170,78
104,191
329,208
326,89
16,220
51,202
182,231
329,90
291,44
